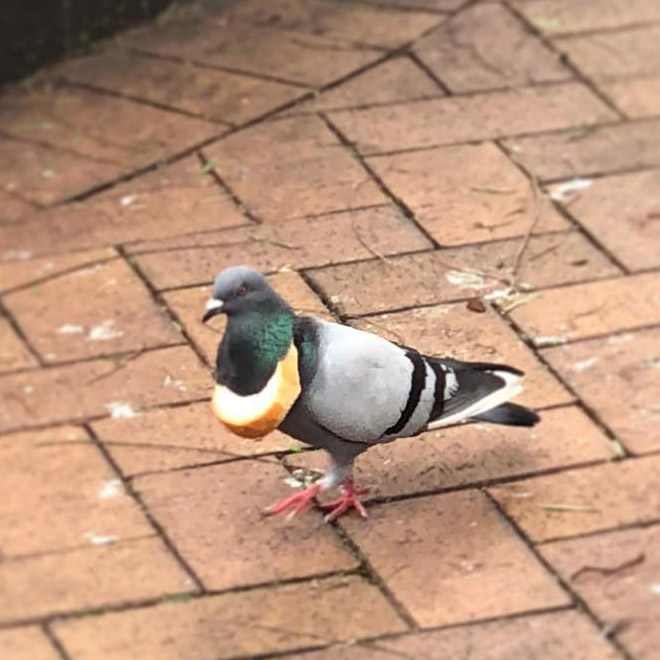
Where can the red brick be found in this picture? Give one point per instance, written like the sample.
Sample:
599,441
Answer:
485,47
338,20
453,330
305,59
636,97
104,128
624,213
556,17
61,494
108,311
94,577
427,5
172,200
588,310
553,636
292,168
470,118
13,353
458,546
473,454
217,511
626,598
611,55
428,277
171,438
26,644
629,368
45,175
466,194
102,387
22,271
586,151
299,243
241,624
590,499
397,79
188,305
13,208
216,95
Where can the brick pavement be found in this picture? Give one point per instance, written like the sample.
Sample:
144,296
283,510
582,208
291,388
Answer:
386,163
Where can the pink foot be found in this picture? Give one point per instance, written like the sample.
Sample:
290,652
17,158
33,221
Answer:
350,499
297,503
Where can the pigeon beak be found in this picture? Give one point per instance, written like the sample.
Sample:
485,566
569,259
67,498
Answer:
213,308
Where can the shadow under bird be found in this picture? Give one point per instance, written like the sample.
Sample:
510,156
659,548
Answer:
337,387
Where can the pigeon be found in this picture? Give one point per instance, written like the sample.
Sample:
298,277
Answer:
338,388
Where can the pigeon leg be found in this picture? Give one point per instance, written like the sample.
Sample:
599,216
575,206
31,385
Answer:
296,503
350,499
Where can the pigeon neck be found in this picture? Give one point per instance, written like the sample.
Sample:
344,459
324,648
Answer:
252,346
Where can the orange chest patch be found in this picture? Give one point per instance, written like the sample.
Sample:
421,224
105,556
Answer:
256,415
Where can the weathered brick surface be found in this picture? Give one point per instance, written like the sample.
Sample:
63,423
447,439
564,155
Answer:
431,277
219,96
19,271
217,511
237,624
109,311
593,150
28,643
566,314
398,79
636,97
629,367
345,236
486,47
45,175
171,438
292,168
616,54
471,118
13,352
459,546
473,454
548,636
101,127
340,20
172,200
626,589
585,500
466,194
304,59
89,578
555,17
102,387
623,212
61,494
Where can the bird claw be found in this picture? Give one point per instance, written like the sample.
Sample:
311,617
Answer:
297,503
350,499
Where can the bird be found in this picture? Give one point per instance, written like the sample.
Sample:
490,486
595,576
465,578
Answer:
338,388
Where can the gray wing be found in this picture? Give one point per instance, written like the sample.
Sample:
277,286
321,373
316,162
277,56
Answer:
366,389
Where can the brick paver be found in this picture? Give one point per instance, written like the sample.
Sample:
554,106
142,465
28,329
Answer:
475,179
486,47
626,587
237,625
456,545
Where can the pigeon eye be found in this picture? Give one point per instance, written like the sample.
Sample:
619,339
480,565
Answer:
241,290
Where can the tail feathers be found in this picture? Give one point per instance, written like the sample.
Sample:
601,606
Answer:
510,414
471,389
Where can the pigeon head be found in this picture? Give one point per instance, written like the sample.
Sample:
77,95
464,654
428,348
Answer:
238,290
